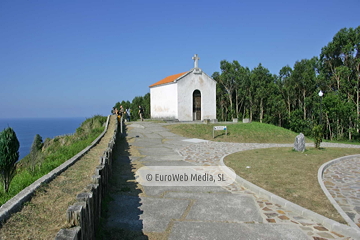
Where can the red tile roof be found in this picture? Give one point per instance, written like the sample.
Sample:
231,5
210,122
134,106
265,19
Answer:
168,79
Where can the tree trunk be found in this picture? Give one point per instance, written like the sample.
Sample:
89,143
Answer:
329,127
304,105
251,106
251,110
289,106
231,105
236,104
350,127
261,109
279,120
357,109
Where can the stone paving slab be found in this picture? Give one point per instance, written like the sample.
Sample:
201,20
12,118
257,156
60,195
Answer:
152,136
128,207
169,158
177,138
167,134
161,190
136,125
158,212
147,214
195,140
135,135
157,151
220,207
168,163
229,231
153,142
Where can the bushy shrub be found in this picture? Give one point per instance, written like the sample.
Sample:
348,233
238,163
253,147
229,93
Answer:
35,152
298,124
9,155
317,133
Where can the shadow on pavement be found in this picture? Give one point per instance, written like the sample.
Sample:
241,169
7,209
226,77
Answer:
121,210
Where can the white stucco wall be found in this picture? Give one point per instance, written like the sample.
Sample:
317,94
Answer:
163,101
186,87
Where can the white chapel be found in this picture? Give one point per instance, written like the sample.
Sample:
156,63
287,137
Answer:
187,96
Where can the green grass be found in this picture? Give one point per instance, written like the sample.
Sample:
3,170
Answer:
54,155
241,132
289,174
282,171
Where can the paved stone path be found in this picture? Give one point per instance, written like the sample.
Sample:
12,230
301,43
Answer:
342,179
230,212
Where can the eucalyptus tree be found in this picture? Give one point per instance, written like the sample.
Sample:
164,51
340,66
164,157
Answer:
242,90
228,79
286,87
304,79
221,100
340,68
261,79
276,104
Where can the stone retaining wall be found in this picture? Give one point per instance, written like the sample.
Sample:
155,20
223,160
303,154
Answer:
16,203
84,215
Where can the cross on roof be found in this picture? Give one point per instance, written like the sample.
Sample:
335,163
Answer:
196,59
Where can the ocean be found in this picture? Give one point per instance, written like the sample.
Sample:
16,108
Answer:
26,129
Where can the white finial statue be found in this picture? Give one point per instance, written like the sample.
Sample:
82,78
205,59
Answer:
196,59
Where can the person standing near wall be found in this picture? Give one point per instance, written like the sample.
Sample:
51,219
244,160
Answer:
128,114
118,115
141,113
121,110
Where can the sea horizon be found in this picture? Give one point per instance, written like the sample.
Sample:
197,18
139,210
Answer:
47,127
4,118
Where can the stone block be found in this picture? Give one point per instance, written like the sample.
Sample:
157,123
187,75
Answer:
299,144
68,234
206,121
246,120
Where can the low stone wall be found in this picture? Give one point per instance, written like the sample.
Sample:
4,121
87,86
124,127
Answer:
84,215
16,203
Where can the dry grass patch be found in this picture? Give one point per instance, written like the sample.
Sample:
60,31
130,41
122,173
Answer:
45,214
290,174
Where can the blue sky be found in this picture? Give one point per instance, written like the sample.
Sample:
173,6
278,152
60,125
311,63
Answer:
78,58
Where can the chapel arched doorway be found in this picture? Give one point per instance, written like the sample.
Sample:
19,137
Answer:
196,105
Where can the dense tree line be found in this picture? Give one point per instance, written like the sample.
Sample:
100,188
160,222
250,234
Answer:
290,99
143,101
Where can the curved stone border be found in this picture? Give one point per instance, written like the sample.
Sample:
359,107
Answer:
326,222
16,202
327,193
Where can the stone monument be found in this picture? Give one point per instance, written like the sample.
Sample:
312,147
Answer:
299,144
